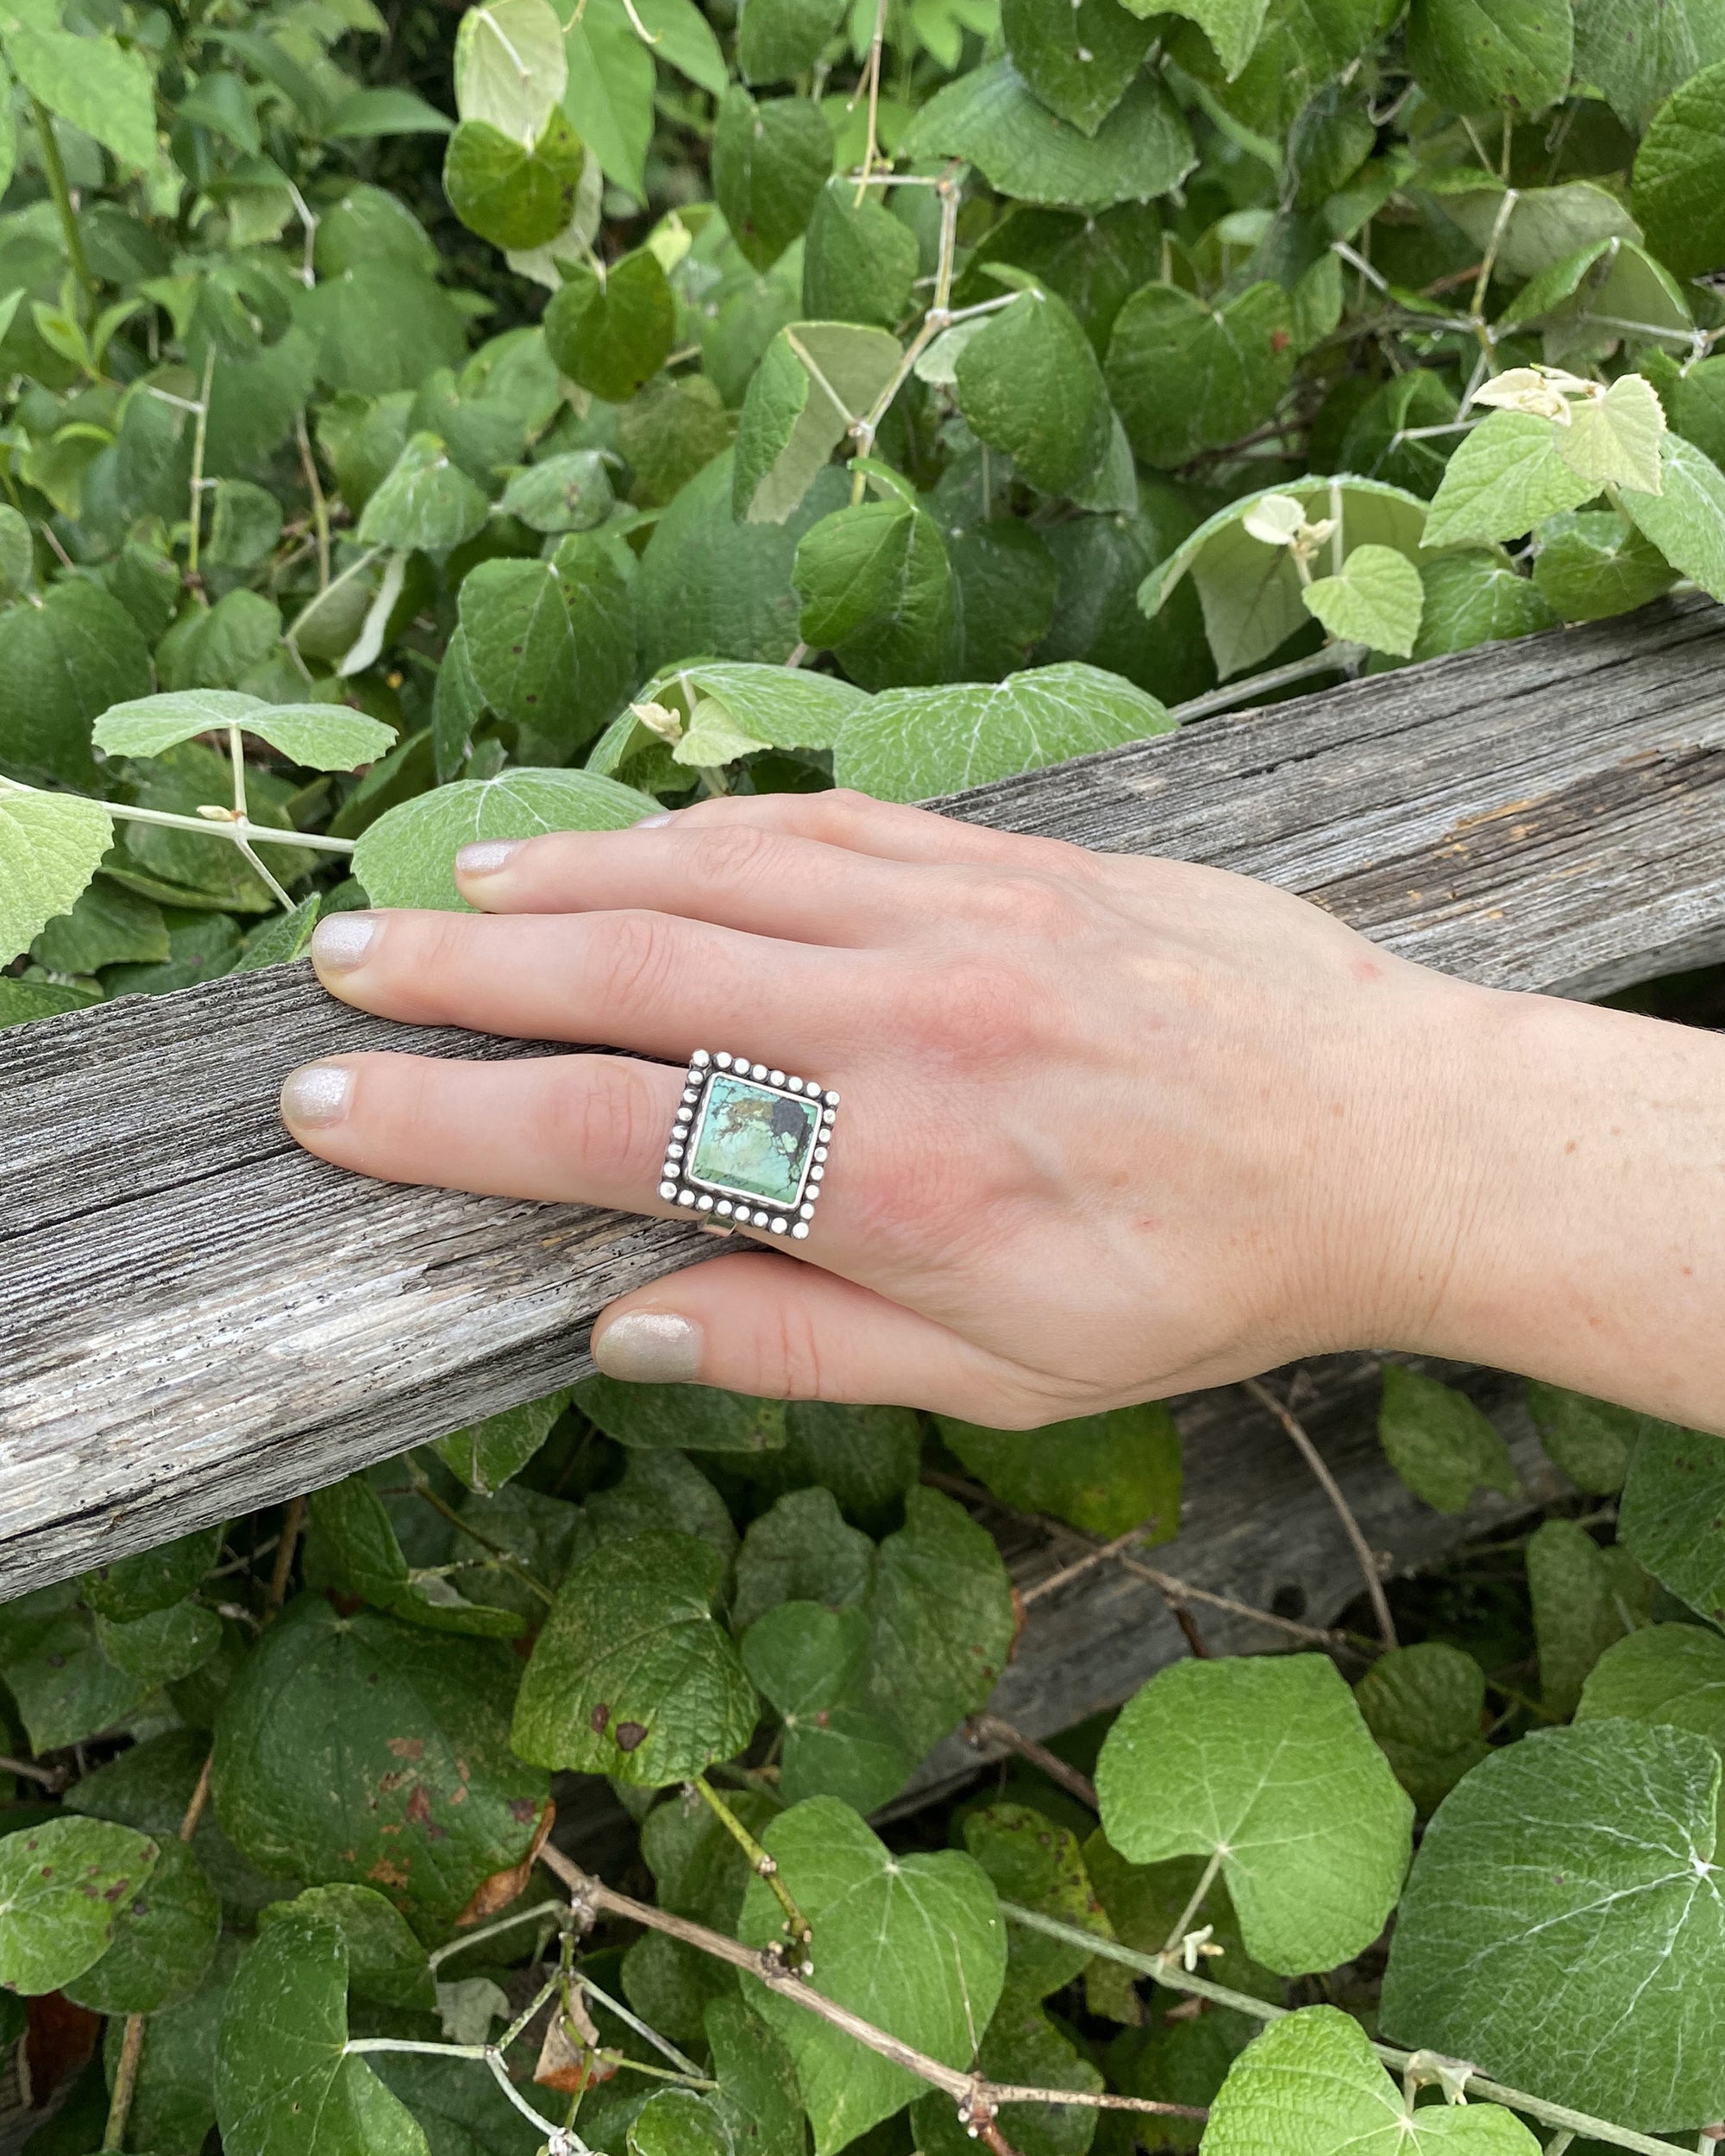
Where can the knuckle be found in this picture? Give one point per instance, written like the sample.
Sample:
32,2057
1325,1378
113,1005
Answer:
604,1114
632,960
733,854
983,1011
1028,904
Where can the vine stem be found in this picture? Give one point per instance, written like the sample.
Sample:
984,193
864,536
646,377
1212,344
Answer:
320,508
1167,1972
506,1558
53,171
939,317
200,434
1339,658
796,1924
46,1776
1182,1923
871,149
293,1521
591,1898
1344,1511
223,825
990,1729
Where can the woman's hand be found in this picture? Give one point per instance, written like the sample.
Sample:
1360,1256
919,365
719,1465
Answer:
1112,1128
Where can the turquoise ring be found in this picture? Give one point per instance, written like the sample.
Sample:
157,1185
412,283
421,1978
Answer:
748,1146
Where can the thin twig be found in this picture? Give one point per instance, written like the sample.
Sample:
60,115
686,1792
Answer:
200,1798
506,1558
592,1898
125,2081
292,1521
320,508
1187,1592
1338,658
54,1779
871,151
1344,1511
221,826
990,1729
1090,1559
200,433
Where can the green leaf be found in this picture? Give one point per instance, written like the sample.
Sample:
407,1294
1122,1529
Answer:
1301,46
1040,1865
810,1663
1536,1888
63,661
371,113
1426,1707
1231,26
512,194
1591,564
62,1887
915,1945
385,1963
510,66
684,40
362,1749
756,2107
488,1454
993,118
878,592
859,260
1508,475
163,1938
1375,598
51,844
783,706
1584,1599
813,380
1144,1904
941,1621
1186,376
285,2085
173,2102
770,162
1101,1473
1080,60
698,1416
1614,440
1376,445
613,336
801,1550
632,1677
1029,384
1267,1764
549,652
406,857
322,737
1540,227
1476,597
701,1873
63,1686
1007,586
108,926
96,84
1439,1442
1581,302
426,501
18,550
1679,181
1311,2085
777,39
571,492
1637,57
1673,1515
358,1544
168,1644
1686,520
1475,57
1022,2045
1589,1439
1671,1675
609,95
659,1489
912,744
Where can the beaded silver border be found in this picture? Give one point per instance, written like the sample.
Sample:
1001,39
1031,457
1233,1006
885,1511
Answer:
720,1208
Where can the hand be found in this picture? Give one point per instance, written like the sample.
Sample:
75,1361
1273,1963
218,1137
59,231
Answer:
1111,1128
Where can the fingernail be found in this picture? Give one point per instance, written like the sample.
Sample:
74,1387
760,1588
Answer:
317,1095
342,941
487,857
646,823
650,1347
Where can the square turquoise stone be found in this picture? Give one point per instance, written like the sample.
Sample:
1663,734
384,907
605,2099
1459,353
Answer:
754,1140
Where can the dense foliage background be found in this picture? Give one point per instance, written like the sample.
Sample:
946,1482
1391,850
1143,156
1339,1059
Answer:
428,424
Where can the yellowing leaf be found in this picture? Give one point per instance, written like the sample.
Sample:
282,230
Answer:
1614,440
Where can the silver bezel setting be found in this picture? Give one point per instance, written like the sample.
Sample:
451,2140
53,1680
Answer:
719,1206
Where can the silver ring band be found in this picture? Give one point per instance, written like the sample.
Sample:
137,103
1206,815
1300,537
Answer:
749,1147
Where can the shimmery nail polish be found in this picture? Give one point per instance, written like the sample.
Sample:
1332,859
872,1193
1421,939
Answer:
649,823
317,1095
650,1347
487,856
344,941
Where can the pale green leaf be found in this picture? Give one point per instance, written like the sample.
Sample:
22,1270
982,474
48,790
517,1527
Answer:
51,844
683,38
631,1676
784,707
96,84
1686,520
427,501
322,737
815,379
1231,26
1439,1442
912,744
993,118
285,2085
62,1886
570,492
609,93
1542,226
1426,1707
1102,1473
510,66
1375,598
1562,1927
714,738
1669,1674
1267,1764
1614,440
1583,303
1476,597
1679,181
1311,2085
1589,1439
915,1945
1508,475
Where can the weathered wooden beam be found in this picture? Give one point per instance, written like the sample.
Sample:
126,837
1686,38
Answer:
197,1318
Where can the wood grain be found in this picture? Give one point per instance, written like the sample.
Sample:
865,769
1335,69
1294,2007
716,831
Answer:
195,1319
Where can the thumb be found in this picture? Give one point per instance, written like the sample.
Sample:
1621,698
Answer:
784,1330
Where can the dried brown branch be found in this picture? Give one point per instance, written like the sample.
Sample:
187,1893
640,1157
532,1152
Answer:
292,1519
51,1778
1344,1511
990,1729
591,1898
1091,1558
